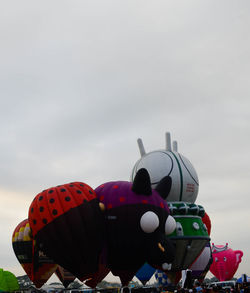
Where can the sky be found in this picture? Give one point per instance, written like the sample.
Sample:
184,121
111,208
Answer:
80,81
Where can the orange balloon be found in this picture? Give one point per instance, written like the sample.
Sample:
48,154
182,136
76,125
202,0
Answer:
37,266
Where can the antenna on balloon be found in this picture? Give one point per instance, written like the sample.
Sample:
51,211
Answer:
175,146
168,142
141,147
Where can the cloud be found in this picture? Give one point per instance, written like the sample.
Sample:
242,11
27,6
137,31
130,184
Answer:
81,81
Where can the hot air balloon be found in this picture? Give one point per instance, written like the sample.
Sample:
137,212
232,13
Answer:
68,226
225,262
37,266
145,273
8,281
190,236
137,220
202,264
64,276
170,163
243,279
206,220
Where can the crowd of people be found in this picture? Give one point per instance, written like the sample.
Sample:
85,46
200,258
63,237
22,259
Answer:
208,288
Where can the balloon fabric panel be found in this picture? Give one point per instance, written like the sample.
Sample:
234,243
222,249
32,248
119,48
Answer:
145,273
64,276
206,220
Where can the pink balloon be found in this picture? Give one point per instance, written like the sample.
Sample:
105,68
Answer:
225,262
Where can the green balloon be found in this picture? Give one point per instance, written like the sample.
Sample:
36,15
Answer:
8,281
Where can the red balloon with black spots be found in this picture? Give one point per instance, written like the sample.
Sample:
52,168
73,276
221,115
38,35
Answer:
67,223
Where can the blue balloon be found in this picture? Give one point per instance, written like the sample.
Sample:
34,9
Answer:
145,273
243,278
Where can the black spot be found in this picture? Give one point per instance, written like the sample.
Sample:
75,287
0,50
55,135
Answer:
32,210
67,198
51,191
54,212
40,198
71,185
79,191
82,185
90,191
63,190
52,200
41,209
45,221
34,222
85,200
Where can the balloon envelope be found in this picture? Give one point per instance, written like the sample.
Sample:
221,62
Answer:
191,236
67,223
64,276
185,183
206,220
145,273
136,219
225,262
241,281
202,264
8,281
37,266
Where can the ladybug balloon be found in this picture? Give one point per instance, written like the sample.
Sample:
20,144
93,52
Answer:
67,223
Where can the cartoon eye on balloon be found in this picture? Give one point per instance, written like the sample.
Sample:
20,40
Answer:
179,229
170,225
149,222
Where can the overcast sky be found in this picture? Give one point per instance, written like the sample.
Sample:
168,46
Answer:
80,81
